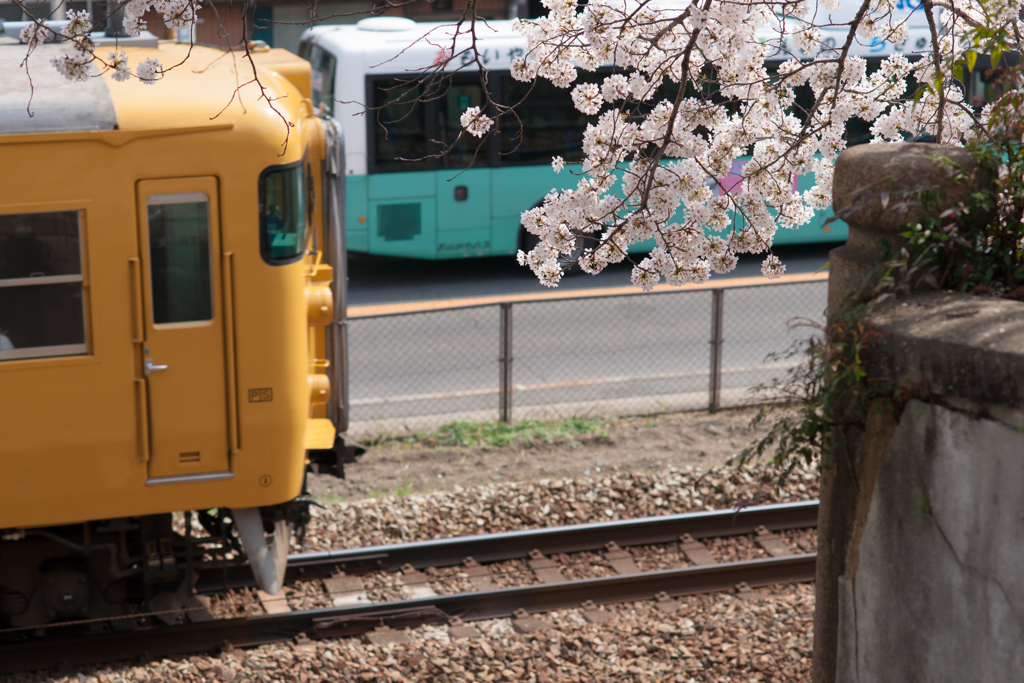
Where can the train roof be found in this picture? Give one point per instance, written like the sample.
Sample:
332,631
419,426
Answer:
205,90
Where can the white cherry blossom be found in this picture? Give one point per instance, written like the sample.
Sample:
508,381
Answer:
149,70
79,24
476,123
119,65
35,34
710,173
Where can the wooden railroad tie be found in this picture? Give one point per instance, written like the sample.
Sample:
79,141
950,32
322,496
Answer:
274,604
346,590
772,543
544,567
415,584
620,560
524,623
458,629
478,575
696,552
594,614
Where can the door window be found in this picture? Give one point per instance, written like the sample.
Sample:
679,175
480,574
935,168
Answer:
42,311
179,252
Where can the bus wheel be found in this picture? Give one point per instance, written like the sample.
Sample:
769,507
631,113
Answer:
527,240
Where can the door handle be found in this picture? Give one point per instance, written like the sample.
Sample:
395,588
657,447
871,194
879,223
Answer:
149,367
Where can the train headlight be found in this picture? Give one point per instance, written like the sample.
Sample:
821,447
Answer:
319,304
319,389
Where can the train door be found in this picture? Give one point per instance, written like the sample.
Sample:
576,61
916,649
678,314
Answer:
184,365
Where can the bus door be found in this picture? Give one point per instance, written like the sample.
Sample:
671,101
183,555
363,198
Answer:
183,356
464,179
402,207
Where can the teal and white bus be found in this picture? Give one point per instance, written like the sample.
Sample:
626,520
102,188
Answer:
402,196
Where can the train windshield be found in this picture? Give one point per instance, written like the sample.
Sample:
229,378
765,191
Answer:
283,213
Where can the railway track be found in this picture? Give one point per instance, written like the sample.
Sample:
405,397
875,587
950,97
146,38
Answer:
351,614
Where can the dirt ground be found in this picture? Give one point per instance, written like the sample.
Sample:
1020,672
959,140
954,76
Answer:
635,444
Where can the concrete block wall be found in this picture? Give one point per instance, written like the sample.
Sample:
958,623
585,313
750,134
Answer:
931,589
921,526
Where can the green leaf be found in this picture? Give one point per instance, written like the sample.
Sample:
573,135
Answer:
958,72
997,54
971,58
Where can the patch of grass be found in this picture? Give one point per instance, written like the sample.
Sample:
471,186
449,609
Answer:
329,498
497,434
404,490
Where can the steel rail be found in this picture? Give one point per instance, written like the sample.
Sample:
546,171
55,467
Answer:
511,545
74,649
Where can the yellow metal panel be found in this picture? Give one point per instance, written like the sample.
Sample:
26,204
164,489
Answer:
82,455
229,350
320,433
291,66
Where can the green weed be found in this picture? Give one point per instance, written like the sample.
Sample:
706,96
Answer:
497,434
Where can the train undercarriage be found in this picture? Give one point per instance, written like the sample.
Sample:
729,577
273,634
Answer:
130,571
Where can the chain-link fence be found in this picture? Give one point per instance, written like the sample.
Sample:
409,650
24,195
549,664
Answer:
581,355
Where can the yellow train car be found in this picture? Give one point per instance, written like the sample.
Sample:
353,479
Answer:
171,325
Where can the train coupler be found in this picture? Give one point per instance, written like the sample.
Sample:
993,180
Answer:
333,460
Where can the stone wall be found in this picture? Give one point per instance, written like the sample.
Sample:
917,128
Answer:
921,529
931,586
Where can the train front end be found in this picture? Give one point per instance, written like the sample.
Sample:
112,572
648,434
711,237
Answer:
171,337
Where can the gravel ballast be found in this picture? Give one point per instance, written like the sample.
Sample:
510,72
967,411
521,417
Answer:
717,637
509,506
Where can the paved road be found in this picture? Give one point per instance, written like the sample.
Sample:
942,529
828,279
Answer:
381,279
623,354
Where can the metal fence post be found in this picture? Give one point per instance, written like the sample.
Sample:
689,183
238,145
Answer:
505,361
715,387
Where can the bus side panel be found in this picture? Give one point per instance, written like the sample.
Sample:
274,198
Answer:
402,216
515,189
357,232
463,212
505,235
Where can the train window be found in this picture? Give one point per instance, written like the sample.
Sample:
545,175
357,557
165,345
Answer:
42,309
283,218
179,256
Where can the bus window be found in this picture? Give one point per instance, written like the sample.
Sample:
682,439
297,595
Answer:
549,125
283,213
323,65
461,94
305,46
399,127
42,309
